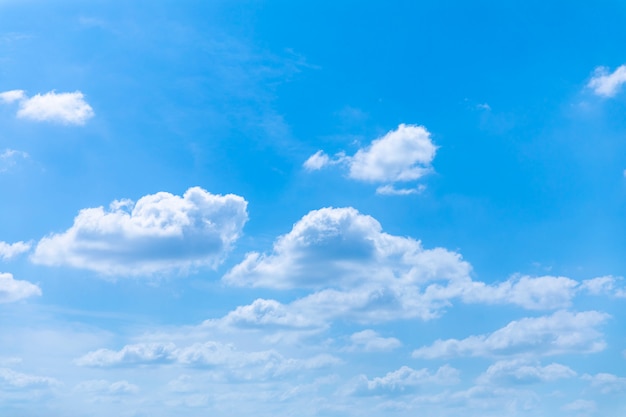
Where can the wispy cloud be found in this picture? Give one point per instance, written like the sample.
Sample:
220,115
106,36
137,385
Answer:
607,84
402,155
11,250
9,157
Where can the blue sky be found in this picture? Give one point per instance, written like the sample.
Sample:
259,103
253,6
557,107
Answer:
313,209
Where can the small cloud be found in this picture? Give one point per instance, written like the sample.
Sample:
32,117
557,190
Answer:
320,159
64,108
371,341
405,380
599,285
13,290
103,387
391,190
606,383
12,96
522,371
316,161
584,406
19,380
402,155
8,251
607,84
483,106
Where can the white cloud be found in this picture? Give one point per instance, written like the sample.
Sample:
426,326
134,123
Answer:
266,313
216,355
14,290
11,250
606,383
405,380
402,155
360,272
103,387
65,108
560,333
12,96
370,341
585,406
607,84
391,190
520,371
13,379
538,293
146,353
9,157
160,233
339,247
317,161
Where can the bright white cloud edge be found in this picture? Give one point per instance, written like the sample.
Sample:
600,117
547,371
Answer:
64,108
12,290
401,155
160,233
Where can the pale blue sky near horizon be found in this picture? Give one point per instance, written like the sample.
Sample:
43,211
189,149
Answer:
313,208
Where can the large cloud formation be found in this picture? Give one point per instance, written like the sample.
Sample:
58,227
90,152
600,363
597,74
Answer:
402,155
355,270
64,108
159,233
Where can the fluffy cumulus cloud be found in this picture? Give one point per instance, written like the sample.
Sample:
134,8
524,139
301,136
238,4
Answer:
402,155
560,333
13,290
216,355
405,380
159,233
608,84
355,270
370,341
521,371
11,250
64,108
